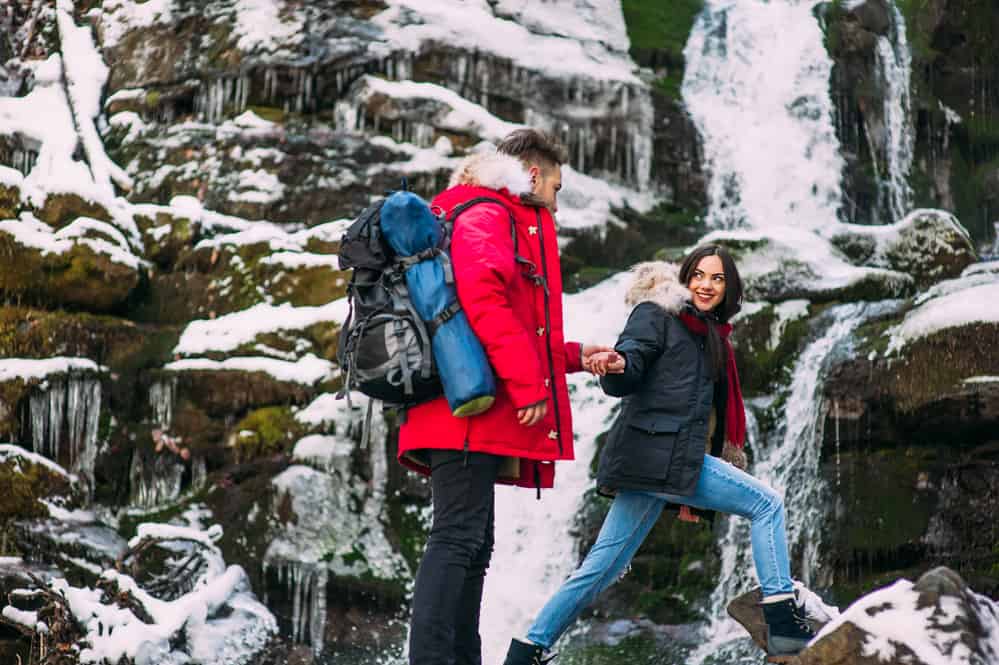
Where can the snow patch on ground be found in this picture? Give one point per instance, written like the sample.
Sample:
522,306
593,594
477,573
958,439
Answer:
229,332
308,370
957,308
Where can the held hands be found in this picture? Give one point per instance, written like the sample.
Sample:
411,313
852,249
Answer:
603,361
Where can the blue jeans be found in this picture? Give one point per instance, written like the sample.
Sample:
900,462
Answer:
720,487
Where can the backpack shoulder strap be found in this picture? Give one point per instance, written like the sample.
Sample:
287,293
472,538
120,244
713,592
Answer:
465,205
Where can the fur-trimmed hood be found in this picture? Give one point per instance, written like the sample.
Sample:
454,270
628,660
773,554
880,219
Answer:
658,282
493,170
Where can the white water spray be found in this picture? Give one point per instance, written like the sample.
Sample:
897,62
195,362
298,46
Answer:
895,69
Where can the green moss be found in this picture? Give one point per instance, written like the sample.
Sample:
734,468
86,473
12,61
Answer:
152,99
761,368
659,30
269,113
264,432
25,483
634,650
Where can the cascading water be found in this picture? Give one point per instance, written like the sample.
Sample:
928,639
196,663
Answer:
895,69
757,87
65,414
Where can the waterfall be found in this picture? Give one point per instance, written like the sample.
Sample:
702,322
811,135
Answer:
894,60
65,414
756,85
154,481
787,459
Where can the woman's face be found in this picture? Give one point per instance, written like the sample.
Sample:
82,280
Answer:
707,283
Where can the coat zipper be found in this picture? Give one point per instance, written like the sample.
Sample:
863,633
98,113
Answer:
548,331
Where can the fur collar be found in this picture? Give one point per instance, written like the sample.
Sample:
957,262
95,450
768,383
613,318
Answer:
493,170
658,282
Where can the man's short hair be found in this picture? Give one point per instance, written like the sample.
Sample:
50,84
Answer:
534,146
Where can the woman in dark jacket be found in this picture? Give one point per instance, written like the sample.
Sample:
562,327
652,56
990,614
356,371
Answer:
677,440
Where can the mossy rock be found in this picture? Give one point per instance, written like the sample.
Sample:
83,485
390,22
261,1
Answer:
28,482
61,208
264,432
166,248
762,364
10,200
233,392
79,277
309,286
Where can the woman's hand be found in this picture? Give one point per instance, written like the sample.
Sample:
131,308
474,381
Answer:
604,362
687,516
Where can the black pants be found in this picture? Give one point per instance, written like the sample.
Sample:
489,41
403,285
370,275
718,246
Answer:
448,590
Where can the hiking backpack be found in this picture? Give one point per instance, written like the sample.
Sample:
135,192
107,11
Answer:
384,348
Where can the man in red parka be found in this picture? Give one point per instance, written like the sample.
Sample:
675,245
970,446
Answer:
507,273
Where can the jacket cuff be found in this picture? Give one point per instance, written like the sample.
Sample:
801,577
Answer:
526,395
573,357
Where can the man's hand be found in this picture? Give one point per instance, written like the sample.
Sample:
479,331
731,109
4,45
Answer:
531,415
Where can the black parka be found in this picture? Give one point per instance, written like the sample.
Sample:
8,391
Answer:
658,441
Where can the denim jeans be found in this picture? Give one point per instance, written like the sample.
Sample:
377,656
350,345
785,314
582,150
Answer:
720,487
448,590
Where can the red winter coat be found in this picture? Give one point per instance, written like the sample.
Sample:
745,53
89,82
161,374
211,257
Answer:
518,323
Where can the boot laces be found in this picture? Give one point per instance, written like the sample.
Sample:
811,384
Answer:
538,660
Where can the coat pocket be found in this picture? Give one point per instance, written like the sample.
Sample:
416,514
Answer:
651,422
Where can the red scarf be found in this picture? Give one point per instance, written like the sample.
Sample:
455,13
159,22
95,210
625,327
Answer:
735,410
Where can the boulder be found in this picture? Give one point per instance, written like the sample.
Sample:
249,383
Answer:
930,245
29,479
799,264
76,269
937,619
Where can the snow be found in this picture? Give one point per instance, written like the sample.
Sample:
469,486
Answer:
29,369
321,451
86,74
960,308
308,370
267,26
28,231
465,116
206,539
301,260
472,26
257,186
119,17
9,451
229,332
981,379
892,616
250,120
325,410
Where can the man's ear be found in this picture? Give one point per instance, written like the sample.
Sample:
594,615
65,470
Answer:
534,171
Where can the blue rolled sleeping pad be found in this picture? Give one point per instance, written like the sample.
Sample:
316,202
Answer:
409,227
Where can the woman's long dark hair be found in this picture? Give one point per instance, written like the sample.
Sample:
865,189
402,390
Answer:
731,302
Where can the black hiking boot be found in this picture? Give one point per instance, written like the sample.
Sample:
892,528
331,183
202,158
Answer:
788,631
525,653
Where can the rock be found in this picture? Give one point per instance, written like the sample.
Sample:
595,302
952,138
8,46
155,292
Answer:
29,479
60,208
65,269
800,265
931,245
82,550
10,192
944,621
746,609
767,340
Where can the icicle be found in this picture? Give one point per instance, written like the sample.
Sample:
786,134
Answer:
162,395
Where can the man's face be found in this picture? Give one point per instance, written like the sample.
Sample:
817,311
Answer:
545,185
